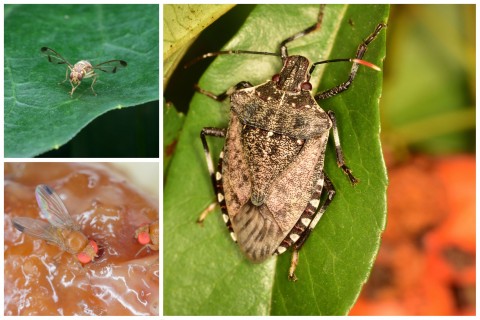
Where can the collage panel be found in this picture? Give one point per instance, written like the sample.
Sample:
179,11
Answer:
81,81
81,238
81,84
319,159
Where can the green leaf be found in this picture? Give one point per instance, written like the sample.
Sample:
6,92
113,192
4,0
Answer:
126,133
40,115
181,25
204,271
174,121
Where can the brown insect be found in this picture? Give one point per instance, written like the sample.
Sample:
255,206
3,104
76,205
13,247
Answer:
83,69
148,235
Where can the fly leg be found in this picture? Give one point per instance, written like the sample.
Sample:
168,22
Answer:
74,87
93,82
66,76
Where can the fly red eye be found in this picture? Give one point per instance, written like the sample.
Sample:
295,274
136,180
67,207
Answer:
83,257
306,86
276,77
143,238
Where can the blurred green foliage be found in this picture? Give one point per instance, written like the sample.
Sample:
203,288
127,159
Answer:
428,102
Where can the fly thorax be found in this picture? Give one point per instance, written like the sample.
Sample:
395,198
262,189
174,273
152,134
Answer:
75,241
155,234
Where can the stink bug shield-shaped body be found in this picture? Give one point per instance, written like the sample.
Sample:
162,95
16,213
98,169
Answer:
60,229
82,69
270,178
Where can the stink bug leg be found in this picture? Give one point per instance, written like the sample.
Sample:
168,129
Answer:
338,149
222,96
362,48
270,179
305,225
216,177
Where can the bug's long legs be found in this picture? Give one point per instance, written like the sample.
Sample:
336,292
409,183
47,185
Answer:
66,76
283,44
222,96
338,149
362,48
317,25
213,132
74,87
93,82
206,212
330,190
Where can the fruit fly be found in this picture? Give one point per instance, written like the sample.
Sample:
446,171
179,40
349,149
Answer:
148,236
60,229
82,69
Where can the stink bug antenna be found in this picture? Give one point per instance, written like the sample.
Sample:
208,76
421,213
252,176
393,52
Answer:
359,61
218,53
283,45
362,48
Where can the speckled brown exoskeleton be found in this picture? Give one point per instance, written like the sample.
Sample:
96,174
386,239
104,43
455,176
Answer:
270,177
82,69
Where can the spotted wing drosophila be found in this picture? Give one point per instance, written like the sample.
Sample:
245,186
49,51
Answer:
148,236
82,69
60,229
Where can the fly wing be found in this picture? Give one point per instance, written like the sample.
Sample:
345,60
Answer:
111,66
38,229
54,57
53,208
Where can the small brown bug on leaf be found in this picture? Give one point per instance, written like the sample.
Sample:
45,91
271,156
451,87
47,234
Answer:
82,69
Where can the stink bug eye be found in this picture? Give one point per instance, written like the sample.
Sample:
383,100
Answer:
307,86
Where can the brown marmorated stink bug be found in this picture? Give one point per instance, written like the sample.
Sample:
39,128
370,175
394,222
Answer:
270,177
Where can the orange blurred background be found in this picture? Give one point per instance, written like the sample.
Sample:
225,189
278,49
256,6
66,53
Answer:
426,263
